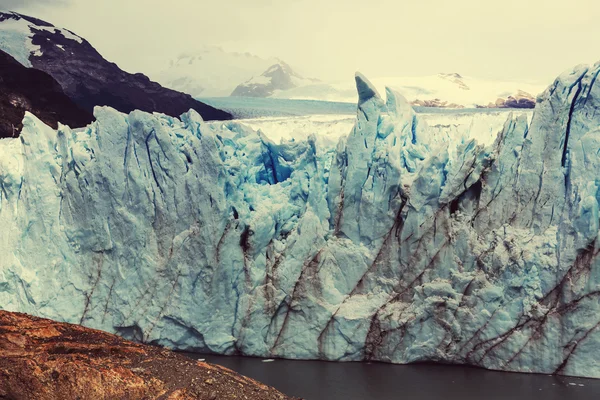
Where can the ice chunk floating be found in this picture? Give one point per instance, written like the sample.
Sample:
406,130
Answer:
393,245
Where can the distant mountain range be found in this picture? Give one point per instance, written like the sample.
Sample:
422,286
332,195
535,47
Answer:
213,72
85,76
447,90
90,80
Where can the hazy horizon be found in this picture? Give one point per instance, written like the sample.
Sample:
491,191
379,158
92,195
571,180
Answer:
331,40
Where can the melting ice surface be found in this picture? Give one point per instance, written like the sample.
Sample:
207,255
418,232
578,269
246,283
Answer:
466,240
439,127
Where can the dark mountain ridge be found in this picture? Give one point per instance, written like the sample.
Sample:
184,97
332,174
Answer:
27,89
90,80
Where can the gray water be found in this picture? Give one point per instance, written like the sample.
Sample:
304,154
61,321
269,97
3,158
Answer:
318,380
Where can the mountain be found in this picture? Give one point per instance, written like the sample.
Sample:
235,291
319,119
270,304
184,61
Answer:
212,72
519,100
445,90
27,89
278,77
394,245
85,76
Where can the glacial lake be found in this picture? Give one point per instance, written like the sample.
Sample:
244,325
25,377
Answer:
319,380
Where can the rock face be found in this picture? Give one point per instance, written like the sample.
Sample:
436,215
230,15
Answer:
85,76
27,89
277,77
43,360
437,103
392,246
520,100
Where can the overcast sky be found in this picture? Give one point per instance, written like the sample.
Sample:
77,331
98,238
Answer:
531,40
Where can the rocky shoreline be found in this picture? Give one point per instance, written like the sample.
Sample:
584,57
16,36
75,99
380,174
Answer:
41,359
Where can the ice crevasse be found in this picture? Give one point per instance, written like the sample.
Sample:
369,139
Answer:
390,246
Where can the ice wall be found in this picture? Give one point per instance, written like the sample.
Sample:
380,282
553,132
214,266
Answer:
392,246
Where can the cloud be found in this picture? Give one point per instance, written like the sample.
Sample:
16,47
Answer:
24,4
330,40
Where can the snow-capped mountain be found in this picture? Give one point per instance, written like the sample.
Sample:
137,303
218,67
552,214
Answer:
84,75
450,90
25,89
212,72
277,78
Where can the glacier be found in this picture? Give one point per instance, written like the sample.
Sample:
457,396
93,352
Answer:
400,243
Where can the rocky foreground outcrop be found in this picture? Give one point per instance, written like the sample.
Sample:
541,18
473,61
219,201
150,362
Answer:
41,359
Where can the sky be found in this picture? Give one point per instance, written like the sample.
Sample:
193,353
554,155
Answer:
527,40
